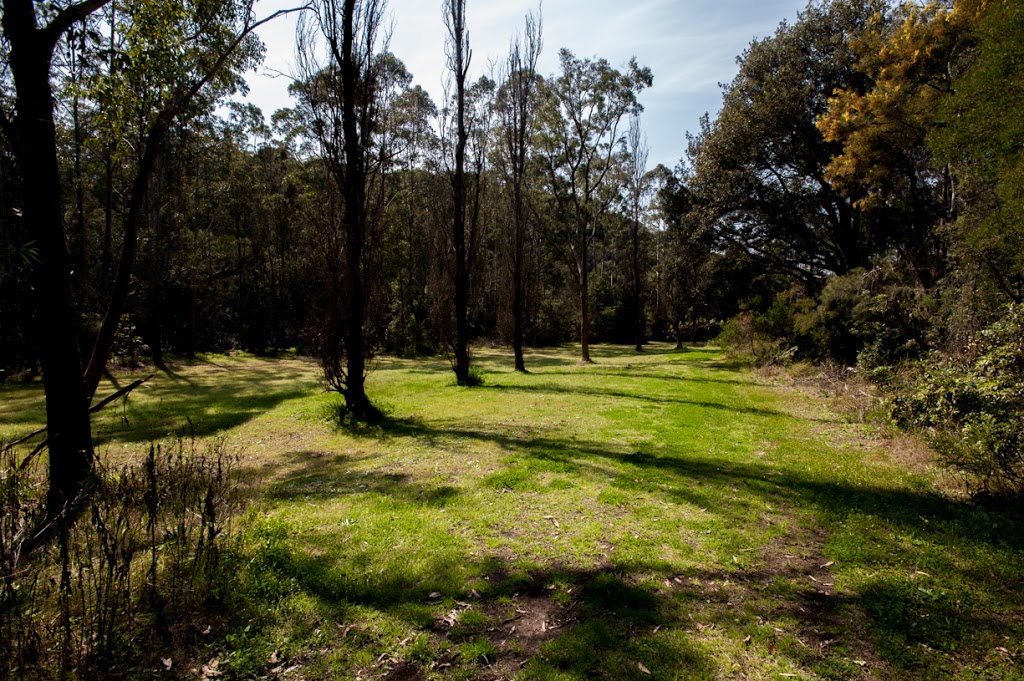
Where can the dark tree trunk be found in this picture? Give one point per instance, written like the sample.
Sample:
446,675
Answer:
67,413
518,304
355,224
458,62
638,310
582,265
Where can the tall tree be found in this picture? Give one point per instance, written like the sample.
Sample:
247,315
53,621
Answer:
909,58
582,118
759,175
32,33
517,103
347,96
637,189
980,132
464,134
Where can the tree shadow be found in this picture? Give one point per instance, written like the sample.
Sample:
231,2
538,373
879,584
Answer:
645,375
604,392
215,400
886,616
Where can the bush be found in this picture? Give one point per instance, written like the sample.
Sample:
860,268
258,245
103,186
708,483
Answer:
974,410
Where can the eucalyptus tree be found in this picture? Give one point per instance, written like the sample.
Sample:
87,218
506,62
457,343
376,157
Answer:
581,119
465,127
183,47
350,84
638,186
516,104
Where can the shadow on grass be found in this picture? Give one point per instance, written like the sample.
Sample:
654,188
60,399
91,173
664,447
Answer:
548,622
644,397
319,475
215,400
551,620
645,375
889,614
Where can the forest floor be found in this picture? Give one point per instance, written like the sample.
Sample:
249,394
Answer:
665,515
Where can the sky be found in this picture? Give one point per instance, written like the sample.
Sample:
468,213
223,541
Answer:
690,45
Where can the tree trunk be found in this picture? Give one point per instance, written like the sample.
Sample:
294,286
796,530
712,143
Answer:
458,64
355,225
582,263
638,312
67,414
518,305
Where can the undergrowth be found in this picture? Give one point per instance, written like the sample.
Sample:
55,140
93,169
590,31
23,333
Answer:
130,584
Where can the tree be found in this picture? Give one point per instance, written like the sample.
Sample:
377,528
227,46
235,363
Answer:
463,134
908,60
981,133
637,187
759,171
583,109
347,99
32,34
516,104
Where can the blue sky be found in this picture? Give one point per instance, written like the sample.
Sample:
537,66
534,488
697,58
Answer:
690,45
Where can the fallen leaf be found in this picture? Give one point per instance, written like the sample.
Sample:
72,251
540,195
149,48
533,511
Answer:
829,564
642,668
860,663
166,662
747,639
273,657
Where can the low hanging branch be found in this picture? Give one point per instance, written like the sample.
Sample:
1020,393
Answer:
123,392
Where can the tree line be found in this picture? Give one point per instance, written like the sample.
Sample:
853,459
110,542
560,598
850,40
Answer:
148,210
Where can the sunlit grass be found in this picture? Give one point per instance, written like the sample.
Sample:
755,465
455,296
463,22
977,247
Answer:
663,515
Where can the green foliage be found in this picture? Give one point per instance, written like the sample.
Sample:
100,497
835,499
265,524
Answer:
758,169
974,411
982,140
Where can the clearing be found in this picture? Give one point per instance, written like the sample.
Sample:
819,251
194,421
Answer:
669,515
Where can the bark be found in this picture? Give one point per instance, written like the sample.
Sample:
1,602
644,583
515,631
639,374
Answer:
459,195
582,266
355,224
67,415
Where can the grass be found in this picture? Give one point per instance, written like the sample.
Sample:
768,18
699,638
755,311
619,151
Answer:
668,515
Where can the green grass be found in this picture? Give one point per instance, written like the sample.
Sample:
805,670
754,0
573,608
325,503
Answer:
668,512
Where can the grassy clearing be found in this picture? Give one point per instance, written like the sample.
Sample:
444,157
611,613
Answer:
658,516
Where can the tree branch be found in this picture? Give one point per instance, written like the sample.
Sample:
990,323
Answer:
68,16
119,296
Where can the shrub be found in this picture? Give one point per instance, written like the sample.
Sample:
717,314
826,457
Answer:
974,410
